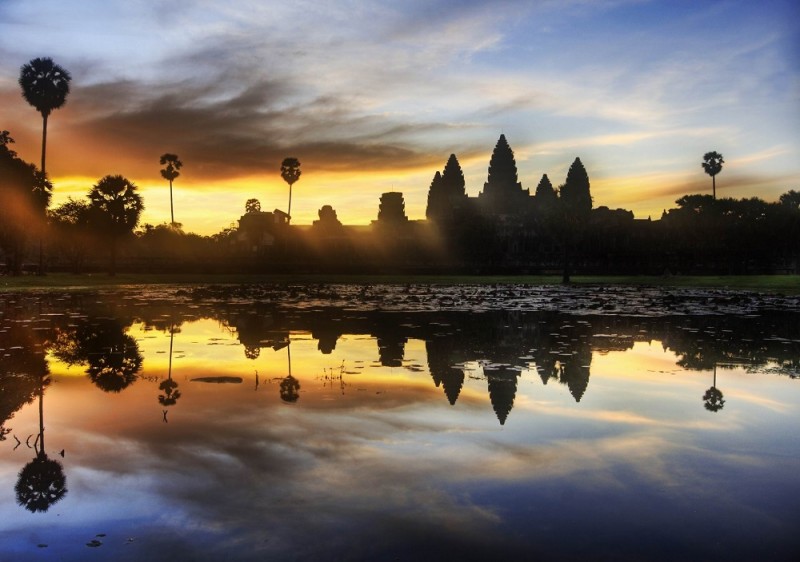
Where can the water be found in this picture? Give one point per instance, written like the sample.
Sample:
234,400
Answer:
399,423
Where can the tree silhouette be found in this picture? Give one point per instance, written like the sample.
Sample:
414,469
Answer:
790,199
41,482
290,386
290,389
252,206
713,400
70,230
111,356
5,140
712,164
116,208
23,368
169,387
45,86
170,173
113,359
290,172
24,197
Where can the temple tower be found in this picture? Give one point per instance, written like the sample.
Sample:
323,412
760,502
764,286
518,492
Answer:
502,194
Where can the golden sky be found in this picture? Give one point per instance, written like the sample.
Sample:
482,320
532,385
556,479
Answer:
373,97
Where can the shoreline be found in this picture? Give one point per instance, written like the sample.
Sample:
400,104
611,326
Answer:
788,284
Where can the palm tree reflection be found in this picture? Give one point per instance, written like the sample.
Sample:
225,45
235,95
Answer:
168,386
290,386
713,399
41,482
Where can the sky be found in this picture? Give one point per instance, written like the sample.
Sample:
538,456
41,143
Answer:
373,96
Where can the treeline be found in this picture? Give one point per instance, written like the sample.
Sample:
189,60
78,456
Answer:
553,231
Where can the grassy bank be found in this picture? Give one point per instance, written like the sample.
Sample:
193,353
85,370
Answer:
788,284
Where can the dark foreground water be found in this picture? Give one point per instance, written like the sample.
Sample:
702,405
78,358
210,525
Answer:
399,423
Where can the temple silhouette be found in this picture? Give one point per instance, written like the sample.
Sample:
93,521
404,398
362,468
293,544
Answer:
507,228
503,227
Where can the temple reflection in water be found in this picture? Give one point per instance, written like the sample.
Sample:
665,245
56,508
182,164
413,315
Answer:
251,401
95,336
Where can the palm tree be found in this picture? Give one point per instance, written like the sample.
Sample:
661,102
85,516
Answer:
170,173
115,210
290,172
45,86
713,400
712,164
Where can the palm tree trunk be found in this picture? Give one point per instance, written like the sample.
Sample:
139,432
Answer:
44,141
290,203
41,415
713,187
44,176
171,211
171,336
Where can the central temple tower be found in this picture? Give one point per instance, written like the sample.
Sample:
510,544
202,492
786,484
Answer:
502,194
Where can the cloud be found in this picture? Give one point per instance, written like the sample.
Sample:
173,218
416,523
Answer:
384,93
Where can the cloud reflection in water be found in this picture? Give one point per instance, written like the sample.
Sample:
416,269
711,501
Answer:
377,460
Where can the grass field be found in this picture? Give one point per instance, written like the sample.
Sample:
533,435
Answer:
787,284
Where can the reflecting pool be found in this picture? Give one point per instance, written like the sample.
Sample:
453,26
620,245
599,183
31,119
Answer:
399,423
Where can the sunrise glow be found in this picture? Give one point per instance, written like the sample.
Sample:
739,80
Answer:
375,99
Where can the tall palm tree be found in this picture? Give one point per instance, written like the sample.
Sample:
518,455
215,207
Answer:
45,86
712,164
170,173
290,172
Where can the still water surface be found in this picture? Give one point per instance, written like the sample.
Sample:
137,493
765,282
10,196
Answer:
191,426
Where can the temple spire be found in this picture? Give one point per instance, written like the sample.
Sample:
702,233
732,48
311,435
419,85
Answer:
502,193
447,195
